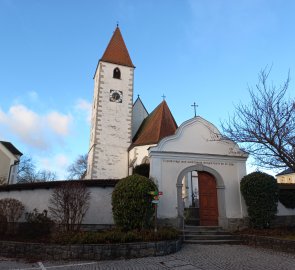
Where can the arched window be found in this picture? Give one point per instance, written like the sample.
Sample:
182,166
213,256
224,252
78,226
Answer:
117,73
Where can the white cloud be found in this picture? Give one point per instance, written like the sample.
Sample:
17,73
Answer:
59,123
62,160
57,164
27,125
36,130
85,106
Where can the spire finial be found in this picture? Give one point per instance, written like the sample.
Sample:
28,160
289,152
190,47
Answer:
137,96
117,23
163,97
195,108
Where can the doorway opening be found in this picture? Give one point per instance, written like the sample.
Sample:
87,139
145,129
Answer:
199,195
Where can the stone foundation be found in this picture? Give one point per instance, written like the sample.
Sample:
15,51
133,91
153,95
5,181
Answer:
170,222
87,252
237,224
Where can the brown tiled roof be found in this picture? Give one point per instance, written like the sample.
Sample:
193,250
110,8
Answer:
116,52
9,146
159,124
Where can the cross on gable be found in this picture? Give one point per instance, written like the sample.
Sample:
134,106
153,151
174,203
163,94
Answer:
195,108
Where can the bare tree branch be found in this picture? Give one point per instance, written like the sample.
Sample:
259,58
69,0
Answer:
68,205
27,172
78,168
266,126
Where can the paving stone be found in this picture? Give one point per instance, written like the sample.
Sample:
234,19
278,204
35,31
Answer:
174,263
197,257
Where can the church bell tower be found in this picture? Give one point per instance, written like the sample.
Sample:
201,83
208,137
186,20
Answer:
111,112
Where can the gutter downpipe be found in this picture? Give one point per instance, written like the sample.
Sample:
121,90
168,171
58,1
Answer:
16,162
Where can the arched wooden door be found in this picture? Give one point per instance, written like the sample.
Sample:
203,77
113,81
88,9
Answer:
207,199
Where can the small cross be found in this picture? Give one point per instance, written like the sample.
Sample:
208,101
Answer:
195,108
163,97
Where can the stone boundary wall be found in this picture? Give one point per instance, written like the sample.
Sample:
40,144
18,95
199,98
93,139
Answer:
88,251
269,242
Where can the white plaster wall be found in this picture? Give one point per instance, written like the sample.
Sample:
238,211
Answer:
99,212
6,160
197,135
111,124
138,153
195,142
139,113
166,172
286,178
283,211
4,164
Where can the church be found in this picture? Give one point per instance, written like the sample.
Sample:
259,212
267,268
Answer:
193,166
197,170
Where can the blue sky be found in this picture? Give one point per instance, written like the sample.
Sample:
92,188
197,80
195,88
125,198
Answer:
203,51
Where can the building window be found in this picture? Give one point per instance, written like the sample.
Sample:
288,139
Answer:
117,73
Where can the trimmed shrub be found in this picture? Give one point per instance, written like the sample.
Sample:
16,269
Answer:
287,198
132,204
142,169
261,194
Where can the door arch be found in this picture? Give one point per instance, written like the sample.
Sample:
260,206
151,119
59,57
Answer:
217,183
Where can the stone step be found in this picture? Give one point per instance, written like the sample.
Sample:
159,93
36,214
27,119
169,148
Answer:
202,228
193,222
213,242
209,237
206,232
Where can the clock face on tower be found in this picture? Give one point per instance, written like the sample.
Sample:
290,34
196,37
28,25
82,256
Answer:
116,96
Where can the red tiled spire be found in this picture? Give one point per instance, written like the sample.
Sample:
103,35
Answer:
159,124
116,51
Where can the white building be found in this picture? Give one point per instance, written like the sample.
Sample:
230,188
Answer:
9,159
286,177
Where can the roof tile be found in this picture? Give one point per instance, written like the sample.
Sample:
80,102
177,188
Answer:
159,124
116,51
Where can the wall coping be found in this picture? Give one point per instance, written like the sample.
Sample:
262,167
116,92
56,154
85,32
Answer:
52,184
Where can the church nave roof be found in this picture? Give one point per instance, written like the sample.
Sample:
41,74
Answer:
159,124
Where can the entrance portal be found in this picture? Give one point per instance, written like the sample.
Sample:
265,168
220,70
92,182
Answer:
208,199
200,199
